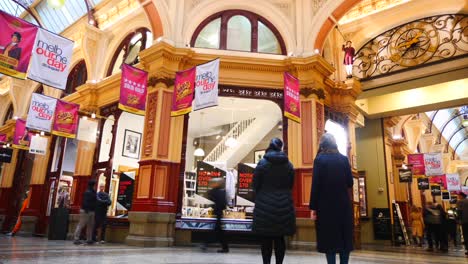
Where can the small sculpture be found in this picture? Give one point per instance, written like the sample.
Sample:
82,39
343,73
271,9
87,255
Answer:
348,58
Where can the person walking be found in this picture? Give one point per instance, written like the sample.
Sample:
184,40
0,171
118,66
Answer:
103,202
417,225
87,214
433,219
462,207
331,203
217,194
274,213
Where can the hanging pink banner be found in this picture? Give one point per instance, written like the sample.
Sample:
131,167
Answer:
3,138
292,106
66,119
417,162
441,180
133,89
183,92
22,135
16,43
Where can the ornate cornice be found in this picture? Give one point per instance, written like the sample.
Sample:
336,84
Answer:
153,80
308,91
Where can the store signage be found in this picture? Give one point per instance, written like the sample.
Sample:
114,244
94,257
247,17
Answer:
245,182
453,182
183,92
206,85
382,223
423,183
292,104
435,189
3,138
66,119
133,90
405,175
125,194
16,43
41,112
440,180
433,164
38,145
51,59
445,195
206,172
417,162
6,154
259,93
22,136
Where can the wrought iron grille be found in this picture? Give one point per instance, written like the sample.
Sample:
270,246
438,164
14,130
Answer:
423,41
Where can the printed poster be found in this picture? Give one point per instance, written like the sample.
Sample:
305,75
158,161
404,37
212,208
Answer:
66,119
16,43
245,182
133,90
22,136
5,155
41,112
3,138
440,180
206,85
417,162
433,164
38,145
125,192
405,175
453,182
183,92
206,172
423,183
51,59
292,104
436,190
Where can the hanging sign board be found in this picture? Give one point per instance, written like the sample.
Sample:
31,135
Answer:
183,92
206,85
16,43
133,90
453,182
5,155
423,183
41,112
433,164
51,59
435,190
292,104
38,145
405,175
440,180
22,136
87,130
66,119
3,138
417,162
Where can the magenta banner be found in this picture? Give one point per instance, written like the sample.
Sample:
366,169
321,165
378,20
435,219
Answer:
183,92
292,107
22,135
66,119
417,162
3,138
133,89
16,43
440,180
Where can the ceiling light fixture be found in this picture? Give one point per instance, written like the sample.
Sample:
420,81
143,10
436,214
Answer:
56,4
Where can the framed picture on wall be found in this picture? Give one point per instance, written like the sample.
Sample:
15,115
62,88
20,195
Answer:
131,144
258,155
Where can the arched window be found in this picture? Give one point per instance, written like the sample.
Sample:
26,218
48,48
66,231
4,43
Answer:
9,114
128,50
77,77
238,30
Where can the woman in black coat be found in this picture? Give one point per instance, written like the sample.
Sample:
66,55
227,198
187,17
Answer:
330,201
274,214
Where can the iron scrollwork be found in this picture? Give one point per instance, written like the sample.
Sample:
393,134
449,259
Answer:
423,41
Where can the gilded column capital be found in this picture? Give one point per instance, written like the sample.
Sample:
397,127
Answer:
399,151
343,97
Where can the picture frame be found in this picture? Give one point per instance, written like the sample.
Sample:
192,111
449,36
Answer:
258,155
131,144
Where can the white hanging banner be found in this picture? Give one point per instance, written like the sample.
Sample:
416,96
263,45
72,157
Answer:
51,59
433,164
453,182
206,85
41,112
38,145
87,130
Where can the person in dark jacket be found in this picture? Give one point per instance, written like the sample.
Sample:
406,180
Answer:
274,213
217,194
434,219
103,202
87,214
462,207
330,201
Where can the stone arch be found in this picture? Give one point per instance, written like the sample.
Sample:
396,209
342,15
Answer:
154,10
266,10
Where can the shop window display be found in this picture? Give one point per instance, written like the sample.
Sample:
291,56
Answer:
230,135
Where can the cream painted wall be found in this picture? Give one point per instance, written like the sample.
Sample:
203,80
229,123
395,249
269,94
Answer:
371,158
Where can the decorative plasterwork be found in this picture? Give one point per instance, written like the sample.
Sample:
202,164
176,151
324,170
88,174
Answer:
5,85
286,7
308,91
153,80
109,14
369,7
316,5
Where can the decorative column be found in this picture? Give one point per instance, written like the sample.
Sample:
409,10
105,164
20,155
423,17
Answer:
155,201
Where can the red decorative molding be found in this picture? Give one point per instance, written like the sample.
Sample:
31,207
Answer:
320,114
307,133
150,124
299,192
165,126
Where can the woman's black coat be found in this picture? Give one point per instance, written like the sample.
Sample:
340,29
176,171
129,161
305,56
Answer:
274,213
330,198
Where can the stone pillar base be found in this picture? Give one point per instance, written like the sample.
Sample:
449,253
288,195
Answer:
151,229
305,237
28,225
73,220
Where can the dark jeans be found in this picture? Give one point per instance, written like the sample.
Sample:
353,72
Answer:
267,249
220,233
433,235
344,257
465,235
